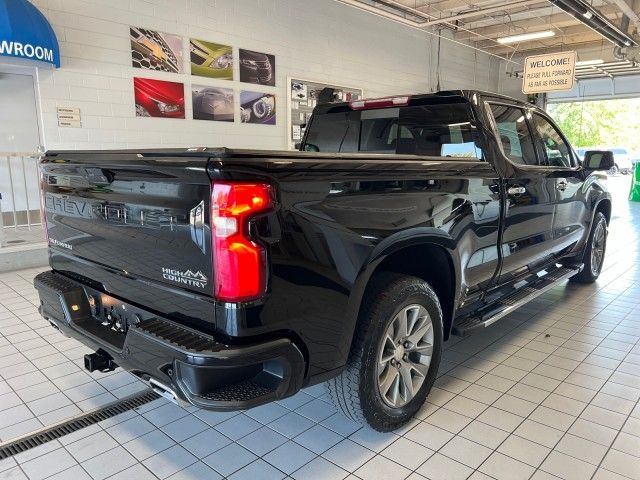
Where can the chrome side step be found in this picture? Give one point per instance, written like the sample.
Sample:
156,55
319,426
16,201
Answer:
495,311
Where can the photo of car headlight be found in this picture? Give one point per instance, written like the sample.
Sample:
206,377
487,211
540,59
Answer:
166,107
264,106
223,61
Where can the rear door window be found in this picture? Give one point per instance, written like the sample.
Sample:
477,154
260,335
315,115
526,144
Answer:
514,134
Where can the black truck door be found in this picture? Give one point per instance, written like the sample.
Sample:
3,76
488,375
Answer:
571,213
530,195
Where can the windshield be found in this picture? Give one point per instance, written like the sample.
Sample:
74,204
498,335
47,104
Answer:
431,130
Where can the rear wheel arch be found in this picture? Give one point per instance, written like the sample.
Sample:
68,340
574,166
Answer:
428,260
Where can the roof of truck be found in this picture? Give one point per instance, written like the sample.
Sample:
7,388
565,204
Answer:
443,95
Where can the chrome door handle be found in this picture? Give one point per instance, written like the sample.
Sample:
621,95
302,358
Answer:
562,185
516,190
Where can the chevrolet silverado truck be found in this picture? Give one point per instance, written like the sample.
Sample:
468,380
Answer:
229,278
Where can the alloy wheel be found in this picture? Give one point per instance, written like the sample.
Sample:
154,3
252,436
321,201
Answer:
405,355
598,244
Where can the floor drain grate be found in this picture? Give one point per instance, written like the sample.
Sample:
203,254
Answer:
54,432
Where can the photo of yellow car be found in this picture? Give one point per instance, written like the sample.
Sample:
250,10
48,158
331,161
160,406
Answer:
211,60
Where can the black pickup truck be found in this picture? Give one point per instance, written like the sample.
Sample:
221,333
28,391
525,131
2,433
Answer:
229,278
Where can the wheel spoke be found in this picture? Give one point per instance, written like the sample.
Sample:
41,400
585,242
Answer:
386,356
424,349
388,350
420,368
389,376
413,317
407,382
422,328
395,393
401,330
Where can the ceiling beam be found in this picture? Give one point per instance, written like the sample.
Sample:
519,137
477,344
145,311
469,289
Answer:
437,9
558,20
480,12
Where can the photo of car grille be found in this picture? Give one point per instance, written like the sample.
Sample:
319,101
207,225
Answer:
257,67
151,50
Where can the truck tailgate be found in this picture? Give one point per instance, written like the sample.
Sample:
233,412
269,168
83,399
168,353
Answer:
140,216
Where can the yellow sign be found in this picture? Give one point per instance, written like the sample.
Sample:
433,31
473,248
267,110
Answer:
549,73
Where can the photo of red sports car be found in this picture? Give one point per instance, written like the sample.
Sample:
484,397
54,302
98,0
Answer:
158,98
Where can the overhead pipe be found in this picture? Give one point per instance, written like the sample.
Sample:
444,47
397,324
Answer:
417,26
481,11
592,18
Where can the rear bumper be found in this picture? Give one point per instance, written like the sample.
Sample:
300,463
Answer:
179,362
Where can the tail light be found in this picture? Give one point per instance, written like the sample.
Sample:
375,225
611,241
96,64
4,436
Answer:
239,263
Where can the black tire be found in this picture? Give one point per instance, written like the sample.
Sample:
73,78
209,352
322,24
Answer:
592,267
614,170
355,391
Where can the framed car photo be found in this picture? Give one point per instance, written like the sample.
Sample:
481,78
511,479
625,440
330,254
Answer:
257,67
153,50
212,103
257,107
211,60
158,98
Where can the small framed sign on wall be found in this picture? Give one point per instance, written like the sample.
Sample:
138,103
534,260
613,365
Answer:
302,97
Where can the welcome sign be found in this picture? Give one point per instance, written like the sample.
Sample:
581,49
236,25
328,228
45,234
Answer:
25,33
549,73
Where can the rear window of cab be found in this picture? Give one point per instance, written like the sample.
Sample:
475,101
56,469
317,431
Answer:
443,129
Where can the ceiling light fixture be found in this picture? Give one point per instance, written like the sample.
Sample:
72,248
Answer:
585,63
526,36
594,19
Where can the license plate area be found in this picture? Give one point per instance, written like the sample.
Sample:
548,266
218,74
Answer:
110,318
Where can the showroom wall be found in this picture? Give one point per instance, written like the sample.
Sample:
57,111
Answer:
320,40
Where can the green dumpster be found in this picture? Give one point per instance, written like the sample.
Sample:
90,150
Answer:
634,195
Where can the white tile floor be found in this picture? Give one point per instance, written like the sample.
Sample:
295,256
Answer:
550,392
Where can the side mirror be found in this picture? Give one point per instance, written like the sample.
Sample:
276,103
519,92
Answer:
598,160
310,147
297,145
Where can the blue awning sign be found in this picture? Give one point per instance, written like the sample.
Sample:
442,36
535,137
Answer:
26,33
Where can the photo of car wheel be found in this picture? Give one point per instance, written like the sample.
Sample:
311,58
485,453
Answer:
257,107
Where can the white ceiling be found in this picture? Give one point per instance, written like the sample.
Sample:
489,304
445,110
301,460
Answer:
480,25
